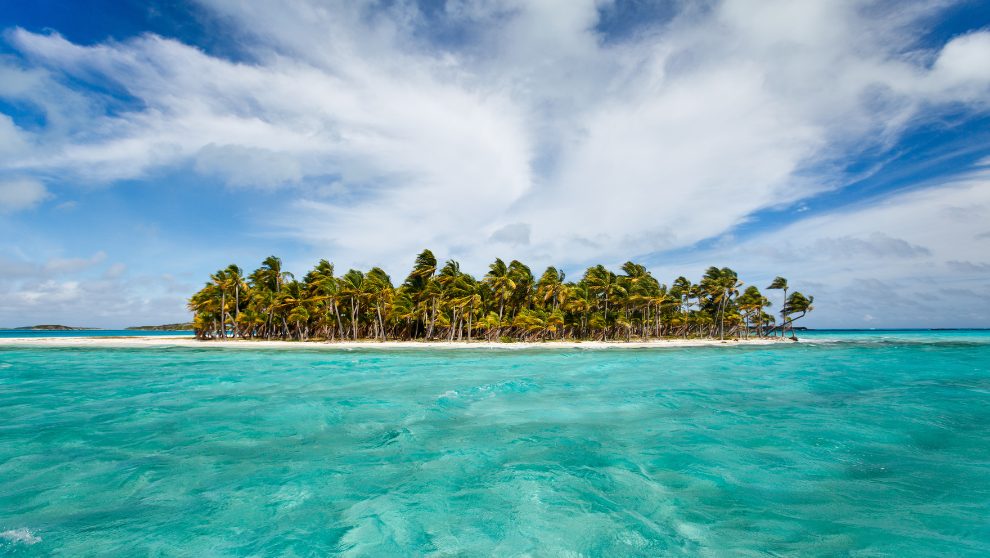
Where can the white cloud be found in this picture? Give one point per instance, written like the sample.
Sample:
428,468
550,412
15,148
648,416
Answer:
86,291
73,265
20,194
514,234
964,64
915,259
534,138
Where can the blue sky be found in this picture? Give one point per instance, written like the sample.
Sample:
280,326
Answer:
845,145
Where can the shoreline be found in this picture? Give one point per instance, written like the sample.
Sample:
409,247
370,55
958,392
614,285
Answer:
190,342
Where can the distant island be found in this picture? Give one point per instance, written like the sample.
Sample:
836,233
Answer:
52,327
509,304
165,327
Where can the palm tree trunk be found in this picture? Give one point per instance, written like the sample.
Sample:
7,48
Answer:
355,307
470,316
237,306
605,321
783,319
223,311
433,318
453,325
381,323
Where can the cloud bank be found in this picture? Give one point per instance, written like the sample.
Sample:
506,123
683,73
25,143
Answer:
920,257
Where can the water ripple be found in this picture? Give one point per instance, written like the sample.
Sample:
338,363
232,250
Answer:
824,449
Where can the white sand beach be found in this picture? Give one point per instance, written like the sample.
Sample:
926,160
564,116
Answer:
190,342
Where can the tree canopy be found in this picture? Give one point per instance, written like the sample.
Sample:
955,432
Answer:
509,303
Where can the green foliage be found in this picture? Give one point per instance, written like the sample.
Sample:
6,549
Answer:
508,304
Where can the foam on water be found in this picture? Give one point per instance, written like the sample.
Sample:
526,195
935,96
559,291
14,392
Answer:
869,447
20,536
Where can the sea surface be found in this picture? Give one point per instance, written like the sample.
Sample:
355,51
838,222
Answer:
847,444
11,333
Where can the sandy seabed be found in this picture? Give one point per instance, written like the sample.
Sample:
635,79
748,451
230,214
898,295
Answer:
190,342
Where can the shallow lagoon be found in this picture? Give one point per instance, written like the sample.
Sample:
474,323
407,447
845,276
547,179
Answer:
870,445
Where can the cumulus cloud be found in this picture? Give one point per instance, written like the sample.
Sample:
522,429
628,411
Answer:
964,64
535,118
20,194
899,259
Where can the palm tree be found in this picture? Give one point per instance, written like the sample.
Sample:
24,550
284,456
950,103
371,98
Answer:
322,288
235,281
779,283
602,285
752,302
797,303
419,286
721,285
509,303
522,278
681,290
549,287
467,299
352,289
380,293
299,316
269,278
270,274
501,285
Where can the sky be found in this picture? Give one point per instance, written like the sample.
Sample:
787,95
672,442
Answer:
843,145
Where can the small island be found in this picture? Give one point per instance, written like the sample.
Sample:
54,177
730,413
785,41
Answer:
52,327
508,305
165,327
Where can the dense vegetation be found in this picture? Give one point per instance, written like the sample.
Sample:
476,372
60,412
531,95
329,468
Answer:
509,303
185,326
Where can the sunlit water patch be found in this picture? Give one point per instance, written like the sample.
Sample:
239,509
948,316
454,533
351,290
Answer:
817,449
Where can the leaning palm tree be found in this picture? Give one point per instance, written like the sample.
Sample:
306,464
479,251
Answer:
779,283
797,303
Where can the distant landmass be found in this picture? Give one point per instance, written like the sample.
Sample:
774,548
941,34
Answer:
165,327
52,327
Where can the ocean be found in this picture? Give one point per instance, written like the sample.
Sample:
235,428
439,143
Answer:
866,443
17,333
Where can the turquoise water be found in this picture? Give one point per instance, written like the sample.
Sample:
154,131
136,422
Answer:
867,446
9,333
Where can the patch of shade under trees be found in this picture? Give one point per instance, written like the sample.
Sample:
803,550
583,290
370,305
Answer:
509,303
